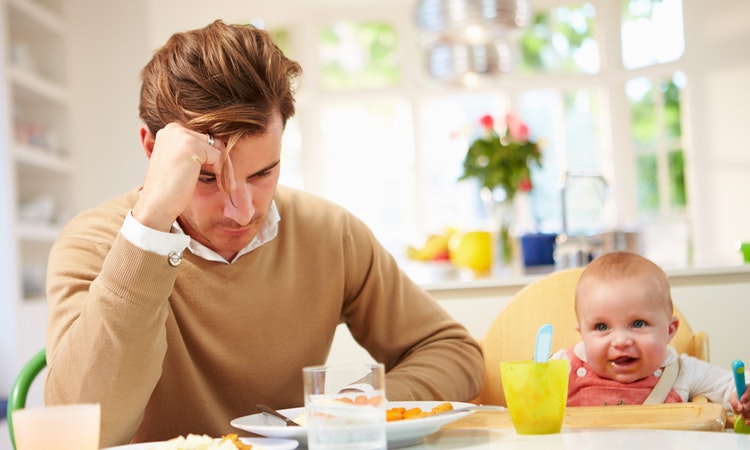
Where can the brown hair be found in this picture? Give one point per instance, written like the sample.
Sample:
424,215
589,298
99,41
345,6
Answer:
626,265
226,80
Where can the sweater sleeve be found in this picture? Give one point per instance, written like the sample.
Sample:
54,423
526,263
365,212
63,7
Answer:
106,336
428,355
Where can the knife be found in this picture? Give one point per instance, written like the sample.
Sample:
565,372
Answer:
268,410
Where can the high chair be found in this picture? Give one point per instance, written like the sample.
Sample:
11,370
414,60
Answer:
551,300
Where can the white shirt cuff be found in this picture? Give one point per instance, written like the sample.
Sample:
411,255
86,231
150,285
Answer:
152,240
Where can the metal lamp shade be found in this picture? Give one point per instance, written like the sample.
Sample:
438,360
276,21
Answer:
455,17
452,62
464,38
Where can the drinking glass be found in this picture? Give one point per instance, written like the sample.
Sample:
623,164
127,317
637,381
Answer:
345,407
64,427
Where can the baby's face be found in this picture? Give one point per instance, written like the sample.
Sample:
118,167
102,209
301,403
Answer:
625,330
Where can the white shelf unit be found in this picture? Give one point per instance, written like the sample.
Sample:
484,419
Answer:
36,168
38,133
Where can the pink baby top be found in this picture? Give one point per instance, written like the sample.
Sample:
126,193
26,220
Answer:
586,388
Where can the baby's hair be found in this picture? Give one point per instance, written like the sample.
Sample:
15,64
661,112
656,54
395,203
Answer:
626,265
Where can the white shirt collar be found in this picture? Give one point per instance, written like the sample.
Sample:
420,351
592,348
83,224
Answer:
269,231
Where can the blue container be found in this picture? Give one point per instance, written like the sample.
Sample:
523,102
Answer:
538,249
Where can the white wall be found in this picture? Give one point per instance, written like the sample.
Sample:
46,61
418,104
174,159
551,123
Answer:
718,63
109,45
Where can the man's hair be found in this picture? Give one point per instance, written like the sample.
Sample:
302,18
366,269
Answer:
226,80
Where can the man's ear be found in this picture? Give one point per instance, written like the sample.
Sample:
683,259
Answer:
147,140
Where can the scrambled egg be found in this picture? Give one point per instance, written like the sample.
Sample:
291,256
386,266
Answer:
201,442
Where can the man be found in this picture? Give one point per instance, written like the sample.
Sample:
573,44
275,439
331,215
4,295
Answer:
183,303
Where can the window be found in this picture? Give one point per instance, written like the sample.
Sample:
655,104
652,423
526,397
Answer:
657,141
358,55
561,40
388,143
652,32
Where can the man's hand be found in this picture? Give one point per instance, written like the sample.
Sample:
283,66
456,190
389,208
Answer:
173,170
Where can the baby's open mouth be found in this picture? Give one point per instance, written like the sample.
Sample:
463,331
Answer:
623,361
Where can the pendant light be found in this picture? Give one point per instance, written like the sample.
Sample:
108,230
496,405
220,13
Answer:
469,37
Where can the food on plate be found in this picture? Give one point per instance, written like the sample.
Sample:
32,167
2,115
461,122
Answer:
398,413
202,442
362,400
401,413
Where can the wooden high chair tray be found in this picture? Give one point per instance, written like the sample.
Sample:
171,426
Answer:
670,416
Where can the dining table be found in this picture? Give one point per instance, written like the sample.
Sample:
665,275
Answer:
681,426
684,426
584,439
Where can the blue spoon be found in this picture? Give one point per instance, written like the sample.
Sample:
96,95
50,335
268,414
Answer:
543,346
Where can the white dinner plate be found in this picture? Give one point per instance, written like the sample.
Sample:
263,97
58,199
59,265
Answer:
257,443
399,433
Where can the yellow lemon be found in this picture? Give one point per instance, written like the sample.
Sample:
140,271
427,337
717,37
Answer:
472,250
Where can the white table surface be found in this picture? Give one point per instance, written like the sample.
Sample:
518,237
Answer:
584,439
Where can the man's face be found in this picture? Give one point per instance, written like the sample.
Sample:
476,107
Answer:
212,219
625,327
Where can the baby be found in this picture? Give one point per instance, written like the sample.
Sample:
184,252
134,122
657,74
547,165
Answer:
625,317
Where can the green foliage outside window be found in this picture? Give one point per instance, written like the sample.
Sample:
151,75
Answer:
647,182
678,197
555,39
282,40
672,113
358,56
650,129
643,116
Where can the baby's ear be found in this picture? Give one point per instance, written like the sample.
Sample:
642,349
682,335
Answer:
674,324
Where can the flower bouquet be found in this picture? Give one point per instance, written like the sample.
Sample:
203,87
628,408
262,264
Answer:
502,161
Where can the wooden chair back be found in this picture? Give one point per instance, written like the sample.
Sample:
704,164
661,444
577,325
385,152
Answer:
550,300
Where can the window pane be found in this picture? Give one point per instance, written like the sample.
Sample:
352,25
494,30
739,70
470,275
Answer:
448,125
657,140
581,130
640,93
647,179
544,112
671,91
678,198
356,55
291,156
652,32
369,165
282,40
561,40
566,126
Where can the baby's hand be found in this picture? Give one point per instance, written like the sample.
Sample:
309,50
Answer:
744,402
741,405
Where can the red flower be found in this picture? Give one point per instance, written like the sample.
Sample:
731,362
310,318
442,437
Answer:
487,122
502,160
517,130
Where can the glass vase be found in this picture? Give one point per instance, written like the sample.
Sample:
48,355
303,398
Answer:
500,211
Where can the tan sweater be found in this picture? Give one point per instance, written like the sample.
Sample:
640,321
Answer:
169,351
